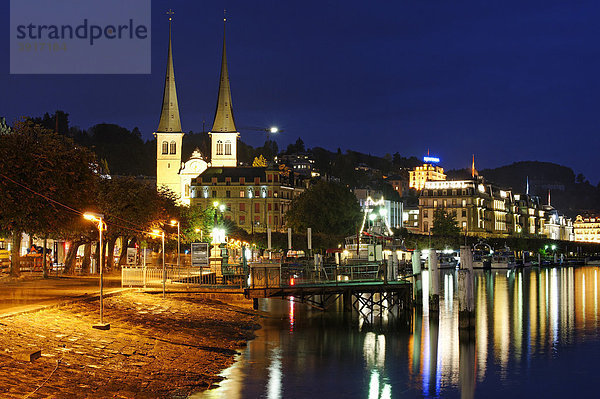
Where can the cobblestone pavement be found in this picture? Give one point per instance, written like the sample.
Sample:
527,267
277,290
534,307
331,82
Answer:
156,347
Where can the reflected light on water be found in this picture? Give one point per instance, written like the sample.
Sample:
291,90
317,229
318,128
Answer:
275,375
524,320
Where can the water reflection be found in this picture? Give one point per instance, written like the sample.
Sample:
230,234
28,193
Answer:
525,321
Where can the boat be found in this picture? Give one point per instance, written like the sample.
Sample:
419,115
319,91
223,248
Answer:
503,259
448,259
482,256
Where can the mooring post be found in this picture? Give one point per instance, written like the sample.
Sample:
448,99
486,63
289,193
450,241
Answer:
417,284
395,266
539,259
466,295
434,282
555,259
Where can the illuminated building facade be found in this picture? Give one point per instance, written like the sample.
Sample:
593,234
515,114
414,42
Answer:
483,209
480,208
587,228
557,226
254,198
426,172
390,211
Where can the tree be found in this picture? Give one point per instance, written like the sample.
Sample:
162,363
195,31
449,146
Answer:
38,168
132,207
444,224
326,207
259,162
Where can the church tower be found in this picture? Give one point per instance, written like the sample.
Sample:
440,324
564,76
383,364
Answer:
169,134
223,133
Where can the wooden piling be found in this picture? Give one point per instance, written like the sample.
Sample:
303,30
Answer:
434,282
417,283
466,295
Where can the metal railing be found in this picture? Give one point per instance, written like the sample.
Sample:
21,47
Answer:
294,274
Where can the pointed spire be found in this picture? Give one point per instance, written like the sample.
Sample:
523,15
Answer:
224,115
548,197
473,167
169,116
527,186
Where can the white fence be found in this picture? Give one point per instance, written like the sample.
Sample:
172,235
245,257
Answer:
232,275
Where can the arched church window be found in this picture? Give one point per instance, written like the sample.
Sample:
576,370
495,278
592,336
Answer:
173,147
227,147
165,147
219,147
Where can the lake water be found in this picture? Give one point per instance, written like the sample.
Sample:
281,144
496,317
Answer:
536,335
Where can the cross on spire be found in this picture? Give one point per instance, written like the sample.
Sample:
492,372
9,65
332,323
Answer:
224,15
170,13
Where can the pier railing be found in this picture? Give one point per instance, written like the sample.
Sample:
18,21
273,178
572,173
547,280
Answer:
296,274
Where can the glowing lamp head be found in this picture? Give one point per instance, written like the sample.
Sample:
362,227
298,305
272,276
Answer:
174,222
95,217
222,208
372,216
216,204
197,230
274,129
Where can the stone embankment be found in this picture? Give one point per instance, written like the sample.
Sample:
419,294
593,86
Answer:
155,348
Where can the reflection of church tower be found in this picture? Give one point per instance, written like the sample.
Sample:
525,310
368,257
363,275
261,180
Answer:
169,134
223,134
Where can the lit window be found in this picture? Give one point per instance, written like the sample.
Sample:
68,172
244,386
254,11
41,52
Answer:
173,147
227,147
165,147
219,147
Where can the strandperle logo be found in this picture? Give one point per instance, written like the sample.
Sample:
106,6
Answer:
84,31
80,37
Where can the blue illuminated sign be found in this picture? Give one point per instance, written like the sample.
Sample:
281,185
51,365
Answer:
431,159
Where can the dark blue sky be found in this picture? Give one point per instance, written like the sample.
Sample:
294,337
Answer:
506,80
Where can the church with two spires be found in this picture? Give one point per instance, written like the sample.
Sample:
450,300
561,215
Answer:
255,198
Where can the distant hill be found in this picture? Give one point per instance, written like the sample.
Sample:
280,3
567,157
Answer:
571,194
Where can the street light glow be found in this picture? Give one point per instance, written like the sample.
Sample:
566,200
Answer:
274,129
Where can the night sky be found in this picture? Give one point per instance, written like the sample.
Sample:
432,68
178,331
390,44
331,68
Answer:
505,80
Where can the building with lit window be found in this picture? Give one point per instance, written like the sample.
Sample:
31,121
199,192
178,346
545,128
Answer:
587,228
390,211
480,208
426,172
254,198
557,226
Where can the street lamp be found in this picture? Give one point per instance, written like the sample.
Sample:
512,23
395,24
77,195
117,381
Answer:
161,233
98,217
173,223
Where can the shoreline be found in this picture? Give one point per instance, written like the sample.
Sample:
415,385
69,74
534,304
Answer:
156,347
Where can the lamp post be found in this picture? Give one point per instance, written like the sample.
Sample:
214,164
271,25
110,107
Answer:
97,217
161,233
173,223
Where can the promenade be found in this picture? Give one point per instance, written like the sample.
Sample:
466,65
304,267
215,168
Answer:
156,347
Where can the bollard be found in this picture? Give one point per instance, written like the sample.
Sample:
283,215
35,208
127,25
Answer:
555,259
434,282
395,266
417,284
539,259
